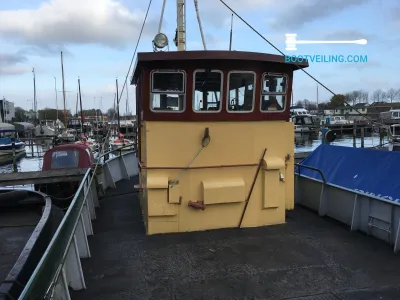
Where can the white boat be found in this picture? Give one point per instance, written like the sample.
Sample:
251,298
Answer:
394,142
303,121
48,128
121,142
68,136
335,120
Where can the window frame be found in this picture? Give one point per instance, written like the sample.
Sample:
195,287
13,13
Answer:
272,93
228,92
194,92
173,93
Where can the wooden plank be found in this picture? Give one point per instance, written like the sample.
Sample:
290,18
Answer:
38,177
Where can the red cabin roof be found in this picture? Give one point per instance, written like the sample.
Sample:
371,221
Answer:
71,156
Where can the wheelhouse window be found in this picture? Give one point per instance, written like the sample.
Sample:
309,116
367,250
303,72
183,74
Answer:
241,88
207,91
273,92
167,91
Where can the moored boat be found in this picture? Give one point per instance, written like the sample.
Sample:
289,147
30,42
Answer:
9,140
69,156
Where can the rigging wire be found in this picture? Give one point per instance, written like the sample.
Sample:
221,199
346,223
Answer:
277,49
162,16
196,5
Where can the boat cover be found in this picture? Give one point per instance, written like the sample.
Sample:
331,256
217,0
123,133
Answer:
375,172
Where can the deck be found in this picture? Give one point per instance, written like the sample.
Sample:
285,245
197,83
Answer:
16,228
309,258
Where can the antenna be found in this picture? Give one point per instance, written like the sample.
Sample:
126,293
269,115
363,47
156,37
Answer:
230,38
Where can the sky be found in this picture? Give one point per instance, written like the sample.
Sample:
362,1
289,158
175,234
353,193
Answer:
98,38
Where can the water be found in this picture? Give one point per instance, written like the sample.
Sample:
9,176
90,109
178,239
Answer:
308,143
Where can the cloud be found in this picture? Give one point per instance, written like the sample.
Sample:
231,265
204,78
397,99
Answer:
348,34
218,15
61,22
300,12
10,64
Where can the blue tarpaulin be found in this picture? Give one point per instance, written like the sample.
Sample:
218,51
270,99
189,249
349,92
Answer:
375,172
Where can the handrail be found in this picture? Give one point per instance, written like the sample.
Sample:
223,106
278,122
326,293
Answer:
60,266
111,151
52,248
312,168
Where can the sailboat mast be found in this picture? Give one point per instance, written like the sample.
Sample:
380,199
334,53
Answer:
181,30
80,102
116,84
55,90
63,87
317,98
34,96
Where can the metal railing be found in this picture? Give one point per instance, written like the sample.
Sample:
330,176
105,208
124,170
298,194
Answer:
60,266
373,215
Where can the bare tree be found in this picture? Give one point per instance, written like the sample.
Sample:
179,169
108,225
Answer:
378,96
355,97
392,94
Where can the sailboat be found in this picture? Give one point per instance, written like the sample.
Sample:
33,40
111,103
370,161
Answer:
121,143
65,136
84,139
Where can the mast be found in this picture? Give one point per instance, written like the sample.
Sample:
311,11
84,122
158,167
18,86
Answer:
80,102
317,98
181,29
63,87
55,90
230,36
34,96
116,84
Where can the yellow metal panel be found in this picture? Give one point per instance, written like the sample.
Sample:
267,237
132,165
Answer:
158,204
226,190
273,163
174,194
159,225
157,182
170,146
274,190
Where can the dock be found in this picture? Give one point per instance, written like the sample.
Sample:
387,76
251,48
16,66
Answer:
40,177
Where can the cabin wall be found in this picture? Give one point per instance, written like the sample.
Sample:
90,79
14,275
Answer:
221,175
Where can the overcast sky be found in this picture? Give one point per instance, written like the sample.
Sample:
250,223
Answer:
98,38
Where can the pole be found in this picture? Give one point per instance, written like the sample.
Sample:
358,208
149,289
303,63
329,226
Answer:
63,87
116,84
55,89
80,102
34,95
230,37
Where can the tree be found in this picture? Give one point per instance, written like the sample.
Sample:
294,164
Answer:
392,94
355,97
20,114
111,112
337,100
378,96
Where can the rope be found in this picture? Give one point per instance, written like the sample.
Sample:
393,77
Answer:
186,168
312,77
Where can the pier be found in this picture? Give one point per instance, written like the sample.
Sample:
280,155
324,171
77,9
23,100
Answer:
40,177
